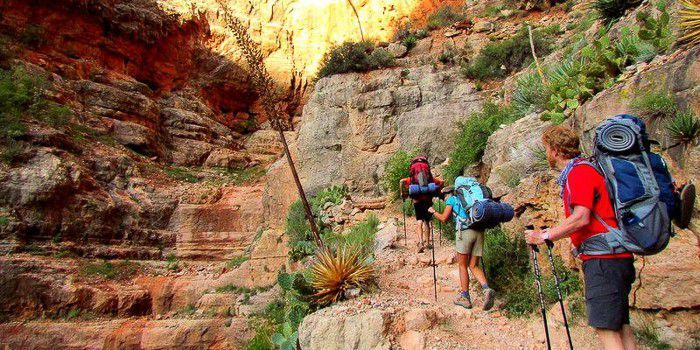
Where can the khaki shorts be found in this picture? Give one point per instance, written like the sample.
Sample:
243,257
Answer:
470,242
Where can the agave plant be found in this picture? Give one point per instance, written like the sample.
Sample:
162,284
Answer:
690,21
334,273
685,127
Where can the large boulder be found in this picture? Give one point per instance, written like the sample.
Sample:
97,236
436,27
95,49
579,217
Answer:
353,123
329,329
511,153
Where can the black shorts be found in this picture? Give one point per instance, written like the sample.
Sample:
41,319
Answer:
608,285
421,208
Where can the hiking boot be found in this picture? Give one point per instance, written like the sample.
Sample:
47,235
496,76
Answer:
420,248
463,302
489,298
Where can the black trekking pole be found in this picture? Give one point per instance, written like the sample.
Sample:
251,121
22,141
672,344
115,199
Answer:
440,222
403,210
432,237
538,278
550,244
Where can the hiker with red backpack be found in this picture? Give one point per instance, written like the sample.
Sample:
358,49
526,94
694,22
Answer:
617,203
421,187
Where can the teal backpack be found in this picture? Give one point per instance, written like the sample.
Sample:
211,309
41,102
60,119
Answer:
468,191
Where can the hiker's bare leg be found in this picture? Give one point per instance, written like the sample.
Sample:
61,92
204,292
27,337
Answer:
463,262
426,232
628,337
610,340
477,270
419,232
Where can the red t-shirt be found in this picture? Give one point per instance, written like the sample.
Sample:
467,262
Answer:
588,190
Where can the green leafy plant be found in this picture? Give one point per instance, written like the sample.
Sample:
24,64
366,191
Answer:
648,334
287,339
172,263
298,231
530,94
689,21
4,221
359,237
655,29
685,127
473,135
397,168
182,174
237,261
410,41
187,310
508,271
611,10
354,57
334,194
501,58
654,105
22,96
443,17
111,271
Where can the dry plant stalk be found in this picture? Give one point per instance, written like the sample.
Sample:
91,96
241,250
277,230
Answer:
271,97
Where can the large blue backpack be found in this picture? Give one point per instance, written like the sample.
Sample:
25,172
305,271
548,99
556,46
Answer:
476,209
640,187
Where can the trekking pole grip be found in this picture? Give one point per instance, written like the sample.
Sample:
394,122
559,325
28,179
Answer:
549,243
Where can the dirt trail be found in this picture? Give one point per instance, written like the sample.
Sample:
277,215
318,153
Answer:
406,282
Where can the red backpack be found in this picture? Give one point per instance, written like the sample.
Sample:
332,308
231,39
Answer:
420,171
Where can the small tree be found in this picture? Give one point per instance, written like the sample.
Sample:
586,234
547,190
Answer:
273,98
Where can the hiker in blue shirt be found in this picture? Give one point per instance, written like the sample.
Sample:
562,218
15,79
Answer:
469,243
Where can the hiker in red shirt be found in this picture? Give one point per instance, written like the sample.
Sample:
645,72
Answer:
608,278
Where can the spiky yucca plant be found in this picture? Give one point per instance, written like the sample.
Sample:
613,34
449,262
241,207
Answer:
690,21
685,127
333,273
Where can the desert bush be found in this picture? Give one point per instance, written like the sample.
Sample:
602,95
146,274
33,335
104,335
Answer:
443,17
333,194
513,53
297,228
410,41
473,135
22,96
507,264
359,237
354,57
109,270
397,168
610,10
654,105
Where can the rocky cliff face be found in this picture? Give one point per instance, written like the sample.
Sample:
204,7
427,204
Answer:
296,34
353,123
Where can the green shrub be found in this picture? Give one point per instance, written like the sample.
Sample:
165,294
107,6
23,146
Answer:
237,261
684,127
443,17
447,229
410,41
647,333
656,29
611,10
359,236
513,53
334,194
354,57
397,168
507,264
33,36
654,105
473,135
109,270
182,174
297,228
172,263
187,310
4,221
21,96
